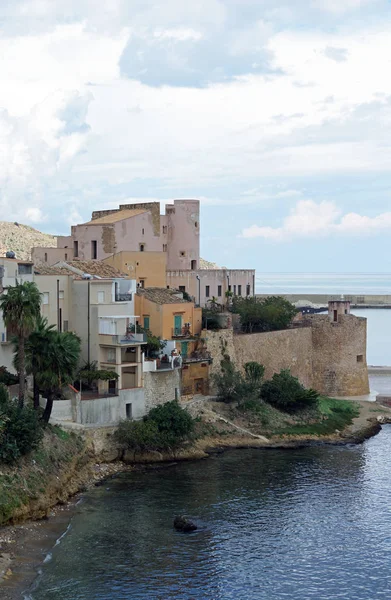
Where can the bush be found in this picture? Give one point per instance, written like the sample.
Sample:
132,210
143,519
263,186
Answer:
7,378
232,386
285,392
20,429
263,314
166,427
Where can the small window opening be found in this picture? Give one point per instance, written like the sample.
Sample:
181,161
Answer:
142,247
76,249
46,257
360,358
193,265
94,249
182,253
143,230
66,256
335,318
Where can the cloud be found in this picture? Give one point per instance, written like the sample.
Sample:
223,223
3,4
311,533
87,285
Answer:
311,220
337,54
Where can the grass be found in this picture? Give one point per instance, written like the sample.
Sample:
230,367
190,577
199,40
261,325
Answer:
331,414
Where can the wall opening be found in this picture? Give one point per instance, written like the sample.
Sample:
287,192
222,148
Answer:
193,265
360,358
76,249
335,316
46,257
94,249
142,247
128,410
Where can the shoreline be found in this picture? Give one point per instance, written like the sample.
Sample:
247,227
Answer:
23,546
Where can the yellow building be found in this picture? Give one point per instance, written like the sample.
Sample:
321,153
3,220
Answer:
147,268
166,314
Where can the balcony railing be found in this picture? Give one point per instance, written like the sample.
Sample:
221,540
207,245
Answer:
126,339
123,297
182,332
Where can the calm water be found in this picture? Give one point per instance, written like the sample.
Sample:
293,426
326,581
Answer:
309,524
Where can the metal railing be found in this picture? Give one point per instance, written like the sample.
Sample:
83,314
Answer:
126,338
123,297
182,332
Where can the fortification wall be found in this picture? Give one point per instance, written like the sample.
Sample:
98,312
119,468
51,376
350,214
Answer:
339,356
276,350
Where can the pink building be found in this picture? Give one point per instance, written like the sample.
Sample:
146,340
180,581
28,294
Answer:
141,228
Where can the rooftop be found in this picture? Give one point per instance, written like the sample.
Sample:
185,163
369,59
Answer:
118,215
161,295
79,267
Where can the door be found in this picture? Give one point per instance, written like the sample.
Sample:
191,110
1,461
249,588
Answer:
184,349
177,324
199,386
146,322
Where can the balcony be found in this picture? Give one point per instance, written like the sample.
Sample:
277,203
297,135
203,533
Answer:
126,339
123,297
182,333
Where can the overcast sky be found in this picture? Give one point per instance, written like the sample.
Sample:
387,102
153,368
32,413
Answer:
275,113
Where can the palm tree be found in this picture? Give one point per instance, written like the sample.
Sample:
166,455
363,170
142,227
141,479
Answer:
21,309
34,351
58,364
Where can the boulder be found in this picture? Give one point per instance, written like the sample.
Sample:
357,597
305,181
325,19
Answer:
184,525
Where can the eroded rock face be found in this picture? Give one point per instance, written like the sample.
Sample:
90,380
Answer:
184,525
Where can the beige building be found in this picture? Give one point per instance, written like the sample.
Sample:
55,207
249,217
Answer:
147,268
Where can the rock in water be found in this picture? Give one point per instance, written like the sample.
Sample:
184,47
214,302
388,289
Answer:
183,524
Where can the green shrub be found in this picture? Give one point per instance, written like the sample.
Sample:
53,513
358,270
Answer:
285,392
20,429
166,427
7,378
232,386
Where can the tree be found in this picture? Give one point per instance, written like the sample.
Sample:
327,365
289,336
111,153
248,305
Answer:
34,351
287,393
263,314
60,358
21,309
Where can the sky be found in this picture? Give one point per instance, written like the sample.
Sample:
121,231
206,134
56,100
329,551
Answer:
276,114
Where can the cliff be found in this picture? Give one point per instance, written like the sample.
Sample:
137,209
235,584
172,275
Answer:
21,238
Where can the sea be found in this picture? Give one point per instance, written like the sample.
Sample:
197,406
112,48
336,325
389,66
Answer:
379,319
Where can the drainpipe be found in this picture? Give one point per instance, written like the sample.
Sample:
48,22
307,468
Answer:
199,289
88,321
254,284
58,306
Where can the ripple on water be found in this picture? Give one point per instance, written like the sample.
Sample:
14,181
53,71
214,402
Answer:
309,524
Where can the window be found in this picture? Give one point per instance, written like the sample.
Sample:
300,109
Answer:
94,249
146,322
193,265
101,297
46,257
219,291
248,290
234,290
239,290
45,298
25,269
76,249
182,288
66,326
230,288
128,410
111,355
164,228
66,256
335,318
142,247
164,247
143,231
61,295
196,224
360,358
207,291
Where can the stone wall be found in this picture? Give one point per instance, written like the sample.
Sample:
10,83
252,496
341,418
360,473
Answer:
330,357
276,350
339,361
160,386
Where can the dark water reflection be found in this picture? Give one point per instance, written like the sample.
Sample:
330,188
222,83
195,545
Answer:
299,524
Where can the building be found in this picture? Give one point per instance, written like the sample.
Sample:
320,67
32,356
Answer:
156,250
167,315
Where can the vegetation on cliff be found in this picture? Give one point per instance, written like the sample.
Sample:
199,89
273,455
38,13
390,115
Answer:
166,427
263,314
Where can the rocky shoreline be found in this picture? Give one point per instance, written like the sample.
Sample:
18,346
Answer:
14,539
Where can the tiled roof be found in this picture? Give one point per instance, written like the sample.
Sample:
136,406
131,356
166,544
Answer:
95,267
43,269
118,215
161,295
78,268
